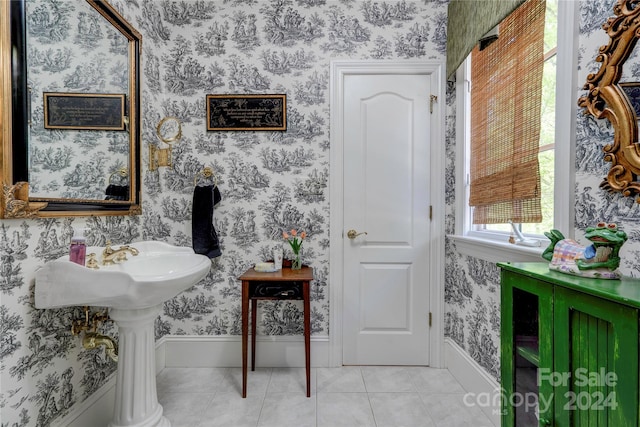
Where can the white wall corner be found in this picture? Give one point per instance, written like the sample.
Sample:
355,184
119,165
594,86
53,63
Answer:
482,389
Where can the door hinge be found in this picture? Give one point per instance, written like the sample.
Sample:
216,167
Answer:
432,99
430,212
430,319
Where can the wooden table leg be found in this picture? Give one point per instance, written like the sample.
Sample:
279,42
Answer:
254,310
245,332
307,334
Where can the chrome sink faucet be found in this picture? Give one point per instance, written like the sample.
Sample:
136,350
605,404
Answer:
113,256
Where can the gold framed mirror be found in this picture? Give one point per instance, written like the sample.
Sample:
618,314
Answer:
62,154
607,98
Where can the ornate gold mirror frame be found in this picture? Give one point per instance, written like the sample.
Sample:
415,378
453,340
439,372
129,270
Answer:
15,201
606,100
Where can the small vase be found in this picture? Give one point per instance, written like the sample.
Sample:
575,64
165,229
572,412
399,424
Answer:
277,258
296,263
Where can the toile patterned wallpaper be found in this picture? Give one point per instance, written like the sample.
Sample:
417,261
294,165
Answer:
269,181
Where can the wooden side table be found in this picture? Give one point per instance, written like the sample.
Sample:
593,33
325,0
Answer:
285,284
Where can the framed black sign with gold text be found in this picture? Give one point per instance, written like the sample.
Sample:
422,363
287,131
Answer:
247,112
89,111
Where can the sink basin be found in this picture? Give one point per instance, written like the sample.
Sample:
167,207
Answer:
158,273
134,291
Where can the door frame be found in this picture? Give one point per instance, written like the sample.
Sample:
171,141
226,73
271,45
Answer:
433,70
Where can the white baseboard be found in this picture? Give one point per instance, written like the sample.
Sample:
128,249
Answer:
226,352
483,389
195,351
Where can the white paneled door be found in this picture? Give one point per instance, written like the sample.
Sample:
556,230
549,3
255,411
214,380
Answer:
386,206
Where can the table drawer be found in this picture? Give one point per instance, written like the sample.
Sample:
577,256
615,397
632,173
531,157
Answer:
289,290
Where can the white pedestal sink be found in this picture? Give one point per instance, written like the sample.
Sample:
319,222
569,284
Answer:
134,291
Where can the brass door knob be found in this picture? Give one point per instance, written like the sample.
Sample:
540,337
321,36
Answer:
352,234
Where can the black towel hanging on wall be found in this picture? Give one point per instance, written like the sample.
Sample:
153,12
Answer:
117,192
205,239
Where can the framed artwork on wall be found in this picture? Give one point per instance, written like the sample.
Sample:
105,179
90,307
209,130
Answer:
85,111
247,112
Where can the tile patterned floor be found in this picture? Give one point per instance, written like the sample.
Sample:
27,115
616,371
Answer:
349,396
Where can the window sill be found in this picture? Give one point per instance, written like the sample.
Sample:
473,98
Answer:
494,251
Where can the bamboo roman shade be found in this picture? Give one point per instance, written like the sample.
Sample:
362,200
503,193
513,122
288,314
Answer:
505,120
467,22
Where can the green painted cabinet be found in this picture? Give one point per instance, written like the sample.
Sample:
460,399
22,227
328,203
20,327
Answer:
569,349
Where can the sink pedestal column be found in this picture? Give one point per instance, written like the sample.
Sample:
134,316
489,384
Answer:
136,401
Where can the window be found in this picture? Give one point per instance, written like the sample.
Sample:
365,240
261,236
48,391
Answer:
506,93
558,76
